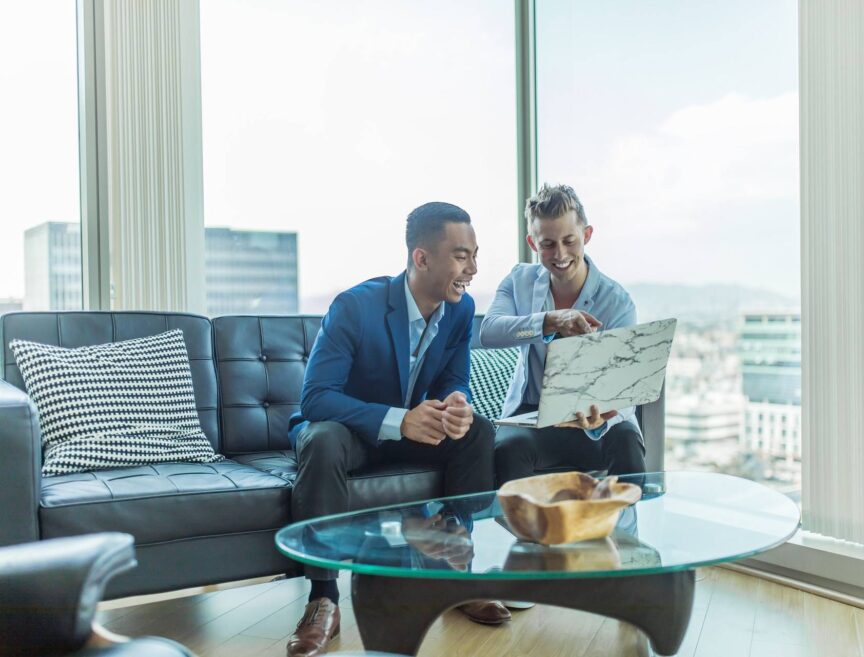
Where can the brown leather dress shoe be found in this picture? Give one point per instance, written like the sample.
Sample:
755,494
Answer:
319,624
487,612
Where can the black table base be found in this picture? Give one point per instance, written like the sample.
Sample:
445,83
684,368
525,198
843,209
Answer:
394,613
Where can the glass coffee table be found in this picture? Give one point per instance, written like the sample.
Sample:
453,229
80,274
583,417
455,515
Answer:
411,562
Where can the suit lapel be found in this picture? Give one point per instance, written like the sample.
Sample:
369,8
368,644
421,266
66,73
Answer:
397,322
541,290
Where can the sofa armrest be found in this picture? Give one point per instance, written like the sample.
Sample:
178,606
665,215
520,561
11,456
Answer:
20,466
49,590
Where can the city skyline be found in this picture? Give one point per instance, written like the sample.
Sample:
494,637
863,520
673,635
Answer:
688,302
244,271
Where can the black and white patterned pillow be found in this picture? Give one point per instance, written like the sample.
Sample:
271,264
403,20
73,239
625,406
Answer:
114,405
491,371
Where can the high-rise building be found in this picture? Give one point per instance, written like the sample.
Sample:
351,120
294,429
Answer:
52,266
770,348
704,429
247,271
10,304
250,271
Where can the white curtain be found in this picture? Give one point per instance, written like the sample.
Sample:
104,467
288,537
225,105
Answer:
152,100
832,265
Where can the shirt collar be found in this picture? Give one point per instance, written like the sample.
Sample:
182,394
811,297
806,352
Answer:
589,287
414,313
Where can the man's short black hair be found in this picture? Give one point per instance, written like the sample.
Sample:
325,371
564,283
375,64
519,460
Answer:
425,224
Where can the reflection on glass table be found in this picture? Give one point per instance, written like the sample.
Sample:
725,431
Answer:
462,547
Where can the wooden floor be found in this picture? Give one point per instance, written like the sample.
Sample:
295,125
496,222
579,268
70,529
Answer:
734,615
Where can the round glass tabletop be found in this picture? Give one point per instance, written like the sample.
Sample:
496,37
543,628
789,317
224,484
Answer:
683,520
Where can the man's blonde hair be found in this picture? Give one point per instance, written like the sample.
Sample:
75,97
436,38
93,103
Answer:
552,201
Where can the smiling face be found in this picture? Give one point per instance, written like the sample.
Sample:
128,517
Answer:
443,270
560,245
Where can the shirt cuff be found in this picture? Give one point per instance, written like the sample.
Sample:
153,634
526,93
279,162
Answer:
536,324
391,427
599,432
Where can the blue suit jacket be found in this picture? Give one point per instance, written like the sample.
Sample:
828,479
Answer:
359,364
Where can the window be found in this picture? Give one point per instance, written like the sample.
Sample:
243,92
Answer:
677,124
325,124
41,226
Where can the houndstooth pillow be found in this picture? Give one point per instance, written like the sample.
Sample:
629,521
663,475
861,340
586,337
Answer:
491,371
114,405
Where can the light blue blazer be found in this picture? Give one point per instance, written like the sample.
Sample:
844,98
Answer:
515,319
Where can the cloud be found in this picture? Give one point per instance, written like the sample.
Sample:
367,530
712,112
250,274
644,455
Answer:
699,159
708,194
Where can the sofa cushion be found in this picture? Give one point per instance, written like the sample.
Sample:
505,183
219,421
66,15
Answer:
491,371
165,502
376,485
117,404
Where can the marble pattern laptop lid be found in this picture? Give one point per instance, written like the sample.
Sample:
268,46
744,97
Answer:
613,369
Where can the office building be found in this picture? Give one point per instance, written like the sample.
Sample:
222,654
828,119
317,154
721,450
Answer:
250,271
247,271
52,272
770,348
11,304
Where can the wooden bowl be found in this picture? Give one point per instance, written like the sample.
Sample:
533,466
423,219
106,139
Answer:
565,507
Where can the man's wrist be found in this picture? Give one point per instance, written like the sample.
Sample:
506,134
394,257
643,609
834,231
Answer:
549,327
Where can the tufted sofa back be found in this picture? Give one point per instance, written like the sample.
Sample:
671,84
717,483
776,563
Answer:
248,368
79,329
261,362
253,365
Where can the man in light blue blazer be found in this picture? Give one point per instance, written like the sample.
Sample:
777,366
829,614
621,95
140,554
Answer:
387,381
564,295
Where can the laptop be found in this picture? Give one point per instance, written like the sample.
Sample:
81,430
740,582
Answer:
611,369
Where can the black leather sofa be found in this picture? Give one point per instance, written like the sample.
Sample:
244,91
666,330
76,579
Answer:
193,524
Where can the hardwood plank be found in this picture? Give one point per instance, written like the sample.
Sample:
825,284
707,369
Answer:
242,644
779,617
728,626
211,635
179,618
701,601
733,614
859,630
156,617
830,627
617,638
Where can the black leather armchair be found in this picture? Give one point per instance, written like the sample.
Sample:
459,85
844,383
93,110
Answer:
48,596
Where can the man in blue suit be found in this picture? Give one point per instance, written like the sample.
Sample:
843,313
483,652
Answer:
564,295
387,381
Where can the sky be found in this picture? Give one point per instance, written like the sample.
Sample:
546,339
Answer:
676,121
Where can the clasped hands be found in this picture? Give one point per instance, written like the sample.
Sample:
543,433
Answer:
438,539
432,421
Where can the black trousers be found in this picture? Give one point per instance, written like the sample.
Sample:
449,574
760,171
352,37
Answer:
328,451
521,451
